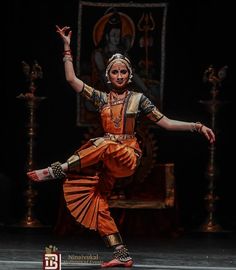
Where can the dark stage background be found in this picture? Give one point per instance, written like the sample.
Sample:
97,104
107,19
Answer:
199,33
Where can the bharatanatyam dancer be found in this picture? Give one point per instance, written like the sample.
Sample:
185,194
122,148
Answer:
90,173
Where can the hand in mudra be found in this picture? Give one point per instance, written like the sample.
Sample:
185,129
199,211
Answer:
65,33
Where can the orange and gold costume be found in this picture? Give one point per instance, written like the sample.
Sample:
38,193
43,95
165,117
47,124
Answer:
94,167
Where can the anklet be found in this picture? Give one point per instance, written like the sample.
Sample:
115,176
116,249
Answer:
57,170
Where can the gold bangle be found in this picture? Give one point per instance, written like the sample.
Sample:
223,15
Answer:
198,128
195,127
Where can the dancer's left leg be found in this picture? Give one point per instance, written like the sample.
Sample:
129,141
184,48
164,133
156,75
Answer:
110,234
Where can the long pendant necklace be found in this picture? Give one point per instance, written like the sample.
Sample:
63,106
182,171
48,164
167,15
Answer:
117,120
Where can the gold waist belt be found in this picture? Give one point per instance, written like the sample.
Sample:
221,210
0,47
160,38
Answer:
118,137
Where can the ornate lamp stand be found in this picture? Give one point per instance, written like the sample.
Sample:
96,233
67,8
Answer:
212,105
32,102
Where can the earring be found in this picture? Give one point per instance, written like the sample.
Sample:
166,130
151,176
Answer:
107,77
130,77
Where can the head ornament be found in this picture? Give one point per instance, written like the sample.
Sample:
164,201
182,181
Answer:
118,57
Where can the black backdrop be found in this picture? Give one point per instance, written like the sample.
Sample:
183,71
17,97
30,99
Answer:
198,34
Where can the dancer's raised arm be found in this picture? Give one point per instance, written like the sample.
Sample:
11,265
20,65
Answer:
65,34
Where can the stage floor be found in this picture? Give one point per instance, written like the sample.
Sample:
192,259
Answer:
24,248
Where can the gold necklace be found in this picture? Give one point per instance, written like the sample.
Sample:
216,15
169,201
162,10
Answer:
117,120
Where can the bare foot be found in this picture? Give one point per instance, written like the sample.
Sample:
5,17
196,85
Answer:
40,175
117,263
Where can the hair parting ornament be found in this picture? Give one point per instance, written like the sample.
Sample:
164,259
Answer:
117,57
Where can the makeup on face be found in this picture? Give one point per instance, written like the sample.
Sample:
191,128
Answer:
119,75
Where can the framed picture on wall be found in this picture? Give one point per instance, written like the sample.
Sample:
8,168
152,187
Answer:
137,30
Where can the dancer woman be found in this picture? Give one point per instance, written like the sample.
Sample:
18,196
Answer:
90,173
